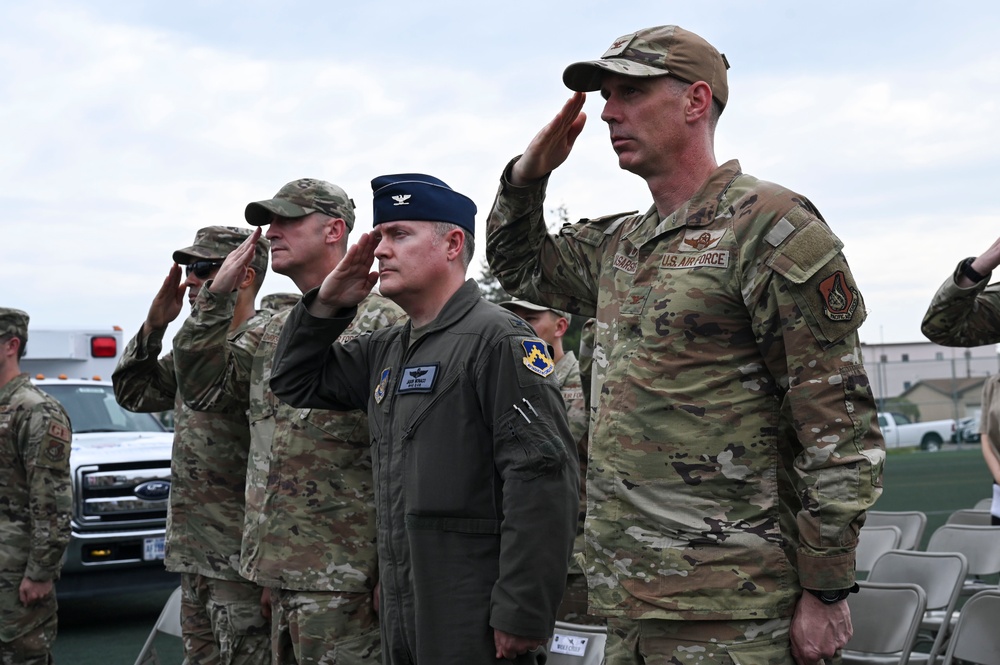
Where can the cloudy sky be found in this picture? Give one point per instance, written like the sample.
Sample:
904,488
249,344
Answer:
126,126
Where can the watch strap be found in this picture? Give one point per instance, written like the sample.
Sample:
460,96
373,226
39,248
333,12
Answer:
965,268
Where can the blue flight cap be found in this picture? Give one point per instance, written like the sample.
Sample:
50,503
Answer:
419,197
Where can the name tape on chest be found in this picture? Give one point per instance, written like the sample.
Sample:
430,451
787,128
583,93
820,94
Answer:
418,378
716,258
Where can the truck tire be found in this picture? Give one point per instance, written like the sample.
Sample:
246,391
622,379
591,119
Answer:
931,442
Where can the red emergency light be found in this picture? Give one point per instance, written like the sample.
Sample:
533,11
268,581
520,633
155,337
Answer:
103,347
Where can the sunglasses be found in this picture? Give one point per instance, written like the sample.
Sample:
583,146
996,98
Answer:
201,269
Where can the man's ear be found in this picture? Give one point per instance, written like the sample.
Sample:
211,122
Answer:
336,228
699,96
455,241
562,325
248,278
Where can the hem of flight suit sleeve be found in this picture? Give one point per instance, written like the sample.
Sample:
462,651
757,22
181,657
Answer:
149,345
512,622
823,573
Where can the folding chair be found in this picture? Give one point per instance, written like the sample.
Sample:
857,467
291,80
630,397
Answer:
873,542
976,638
577,644
940,575
168,623
984,504
979,544
911,525
885,619
970,516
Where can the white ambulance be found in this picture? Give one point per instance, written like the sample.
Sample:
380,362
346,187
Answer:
120,463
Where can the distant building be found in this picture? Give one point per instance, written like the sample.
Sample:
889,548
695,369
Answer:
943,381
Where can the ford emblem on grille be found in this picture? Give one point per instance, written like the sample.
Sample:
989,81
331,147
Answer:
153,490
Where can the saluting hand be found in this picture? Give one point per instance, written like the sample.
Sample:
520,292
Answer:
350,281
551,146
167,303
233,270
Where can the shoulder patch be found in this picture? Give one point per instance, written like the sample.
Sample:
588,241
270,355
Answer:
536,357
840,299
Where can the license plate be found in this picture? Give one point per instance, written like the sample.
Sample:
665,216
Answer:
152,549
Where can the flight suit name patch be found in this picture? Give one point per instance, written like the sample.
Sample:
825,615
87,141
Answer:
418,379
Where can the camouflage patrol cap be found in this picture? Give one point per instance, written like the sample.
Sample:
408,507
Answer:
664,50
214,243
13,322
303,197
530,306
275,302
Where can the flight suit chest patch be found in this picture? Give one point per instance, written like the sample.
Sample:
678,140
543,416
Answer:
418,379
383,382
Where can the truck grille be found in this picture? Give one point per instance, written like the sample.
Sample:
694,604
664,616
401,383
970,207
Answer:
128,494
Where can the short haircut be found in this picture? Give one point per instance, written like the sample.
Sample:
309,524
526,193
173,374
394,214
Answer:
468,248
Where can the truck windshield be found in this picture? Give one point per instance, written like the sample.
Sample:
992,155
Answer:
94,409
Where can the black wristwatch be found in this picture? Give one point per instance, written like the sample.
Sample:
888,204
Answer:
832,596
965,267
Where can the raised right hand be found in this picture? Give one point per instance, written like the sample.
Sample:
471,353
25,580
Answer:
350,281
551,146
233,270
167,303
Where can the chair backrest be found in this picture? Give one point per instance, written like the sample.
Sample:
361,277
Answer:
979,544
577,644
984,504
911,525
168,623
873,542
970,516
939,574
886,618
976,638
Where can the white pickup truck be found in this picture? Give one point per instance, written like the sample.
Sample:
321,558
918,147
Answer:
120,465
900,432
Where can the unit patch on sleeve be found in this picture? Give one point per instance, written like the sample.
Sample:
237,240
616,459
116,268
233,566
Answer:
536,357
383,381
418,378
839,298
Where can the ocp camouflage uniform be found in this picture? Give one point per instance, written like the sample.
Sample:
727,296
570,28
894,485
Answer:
963,317
567,372
35,510
734,447
220,610
275,302
309,532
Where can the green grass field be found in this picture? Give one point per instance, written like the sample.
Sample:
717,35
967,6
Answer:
935,483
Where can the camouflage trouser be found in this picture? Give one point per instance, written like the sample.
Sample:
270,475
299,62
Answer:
31,648
574,603
659,642
221,622
324,628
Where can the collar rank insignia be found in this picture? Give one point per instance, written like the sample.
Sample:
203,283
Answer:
536,357
383,381
401,199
